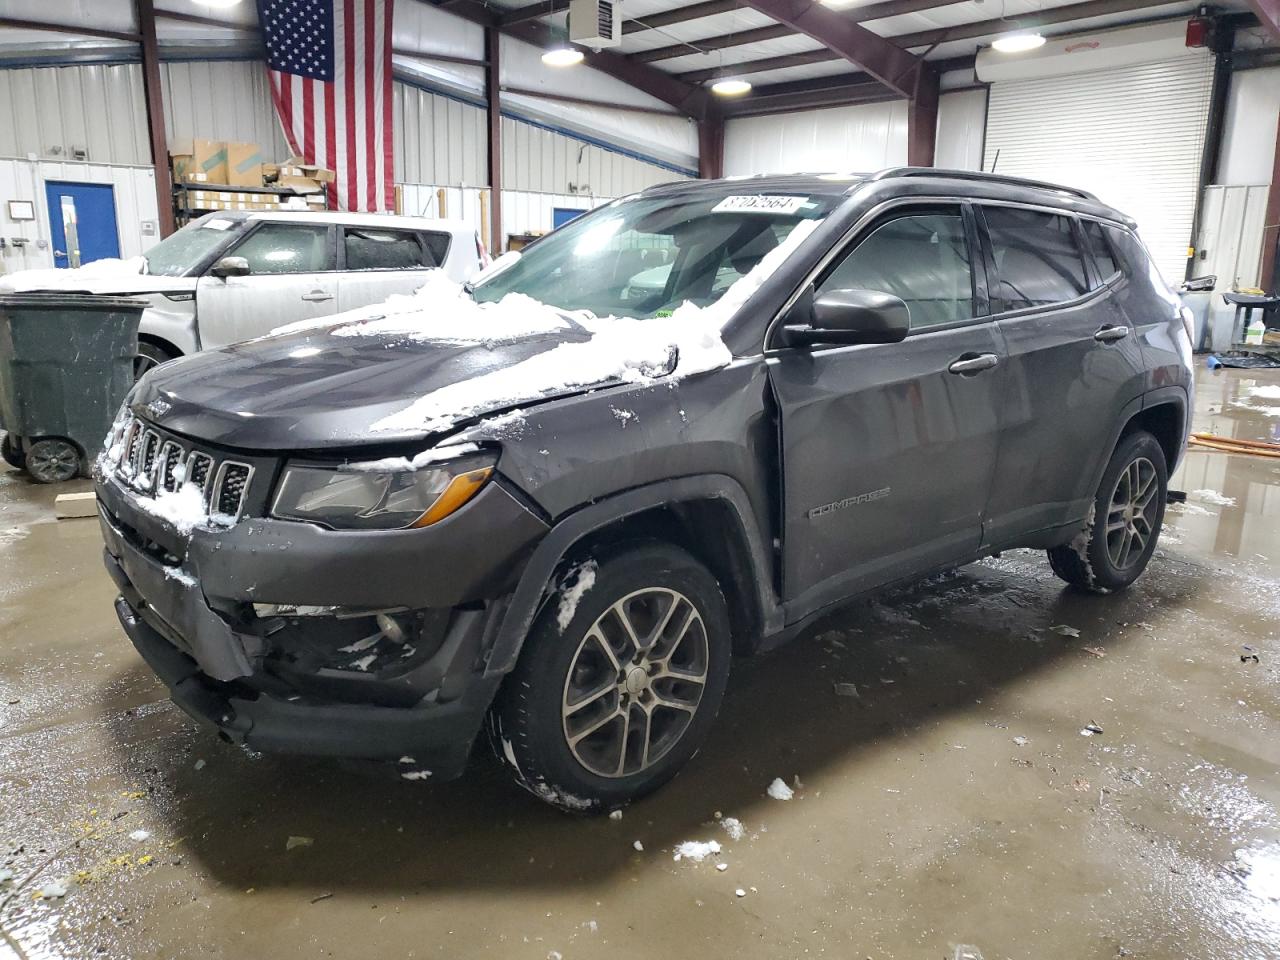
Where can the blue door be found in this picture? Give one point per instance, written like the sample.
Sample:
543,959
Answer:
82,222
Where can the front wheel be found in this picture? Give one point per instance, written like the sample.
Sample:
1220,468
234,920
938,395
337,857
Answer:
1124,521
619,680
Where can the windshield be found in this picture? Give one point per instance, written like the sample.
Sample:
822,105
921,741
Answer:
645,257
180,253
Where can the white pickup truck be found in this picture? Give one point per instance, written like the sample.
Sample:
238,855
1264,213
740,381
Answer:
233,276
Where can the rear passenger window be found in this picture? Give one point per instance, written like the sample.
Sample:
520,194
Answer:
923,259
1038,262
1101,249
374,249
437,245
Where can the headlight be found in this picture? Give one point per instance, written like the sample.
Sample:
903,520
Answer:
368,497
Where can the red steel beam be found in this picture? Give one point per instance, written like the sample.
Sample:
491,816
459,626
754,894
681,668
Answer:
154,97
890,64
79,31
1270,281
922,119
1268,12
493,103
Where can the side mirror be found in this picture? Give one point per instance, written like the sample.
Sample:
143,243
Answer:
230,267
1200,285
851,317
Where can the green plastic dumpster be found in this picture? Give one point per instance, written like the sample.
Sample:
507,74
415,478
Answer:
66,363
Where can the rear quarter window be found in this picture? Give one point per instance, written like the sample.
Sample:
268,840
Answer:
1104,257
1038,261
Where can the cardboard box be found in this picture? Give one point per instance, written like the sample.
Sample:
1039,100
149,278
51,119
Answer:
297,176
244,164
191,158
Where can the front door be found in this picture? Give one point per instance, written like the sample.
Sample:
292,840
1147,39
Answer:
291,277
82,222
888,449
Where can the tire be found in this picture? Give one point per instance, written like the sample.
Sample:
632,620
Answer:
11,454
565,683
149,356
53,460
1124,522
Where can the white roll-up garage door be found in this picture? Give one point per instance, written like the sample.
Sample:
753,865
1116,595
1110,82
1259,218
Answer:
1131,135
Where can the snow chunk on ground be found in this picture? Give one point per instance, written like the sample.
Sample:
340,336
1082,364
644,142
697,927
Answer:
696,850
779,790
733,827
54,890
584,578
139,835
1270,391
1211,496
76,278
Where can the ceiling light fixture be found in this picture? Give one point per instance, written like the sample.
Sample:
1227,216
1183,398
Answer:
730,87
1018,42
562,56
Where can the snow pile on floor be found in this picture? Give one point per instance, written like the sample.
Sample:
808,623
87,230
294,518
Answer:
621,349
733,827
1270,391
1211,496
696,850
76,278
779,790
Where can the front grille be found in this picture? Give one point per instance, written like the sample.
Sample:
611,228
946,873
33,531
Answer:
152,464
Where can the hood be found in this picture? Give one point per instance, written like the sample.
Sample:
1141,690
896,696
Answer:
138,284
109,276
312,390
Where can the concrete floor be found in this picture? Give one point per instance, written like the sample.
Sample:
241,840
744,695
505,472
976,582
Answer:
953,809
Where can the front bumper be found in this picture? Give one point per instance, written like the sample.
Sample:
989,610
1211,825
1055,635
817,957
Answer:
187,604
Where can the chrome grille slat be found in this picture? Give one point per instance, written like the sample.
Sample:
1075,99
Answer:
170,457
229,489
200,470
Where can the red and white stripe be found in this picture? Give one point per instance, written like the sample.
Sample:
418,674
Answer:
346,125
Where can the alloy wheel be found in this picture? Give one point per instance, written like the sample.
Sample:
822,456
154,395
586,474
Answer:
1131,518
635,682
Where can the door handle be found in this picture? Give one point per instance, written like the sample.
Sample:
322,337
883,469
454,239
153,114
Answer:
317,296
1109,333
973,364
59,253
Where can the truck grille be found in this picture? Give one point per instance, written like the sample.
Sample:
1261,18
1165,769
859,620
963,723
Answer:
151,464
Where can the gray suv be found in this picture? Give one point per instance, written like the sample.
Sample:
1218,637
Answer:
673,432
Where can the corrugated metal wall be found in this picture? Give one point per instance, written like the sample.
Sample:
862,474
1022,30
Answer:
438,139
135,199
535,158
51,111
867,136
523,211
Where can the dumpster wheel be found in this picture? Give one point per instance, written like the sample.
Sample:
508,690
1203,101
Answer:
11,454
52,460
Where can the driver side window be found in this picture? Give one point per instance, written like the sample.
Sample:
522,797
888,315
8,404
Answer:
922,258
286,248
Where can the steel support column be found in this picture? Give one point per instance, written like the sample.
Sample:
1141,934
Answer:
711,146
493,101
1271,229
154,97
922,118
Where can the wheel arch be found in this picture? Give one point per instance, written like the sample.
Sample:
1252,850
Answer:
710,516
1164,416
168,346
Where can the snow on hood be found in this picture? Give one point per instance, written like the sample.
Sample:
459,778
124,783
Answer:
100,276
439,312
619,349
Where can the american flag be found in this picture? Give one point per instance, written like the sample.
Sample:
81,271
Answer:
329,63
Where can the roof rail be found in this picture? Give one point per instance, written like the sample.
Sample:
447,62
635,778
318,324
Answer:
979,176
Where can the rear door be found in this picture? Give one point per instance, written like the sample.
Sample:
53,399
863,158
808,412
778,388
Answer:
1073,366
380,261
291,277
888,448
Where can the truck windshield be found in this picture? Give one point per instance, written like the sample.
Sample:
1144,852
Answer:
182,252
645,257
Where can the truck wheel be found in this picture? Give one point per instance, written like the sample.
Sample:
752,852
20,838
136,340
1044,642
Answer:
149,355
619,680
52,460
12,455
1124,521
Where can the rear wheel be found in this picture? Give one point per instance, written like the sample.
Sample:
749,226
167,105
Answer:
611,697
12,455
52,460
1124,522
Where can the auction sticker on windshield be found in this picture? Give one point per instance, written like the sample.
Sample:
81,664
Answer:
761,203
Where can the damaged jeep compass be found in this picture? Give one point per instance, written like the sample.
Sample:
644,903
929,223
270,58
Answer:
557,503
